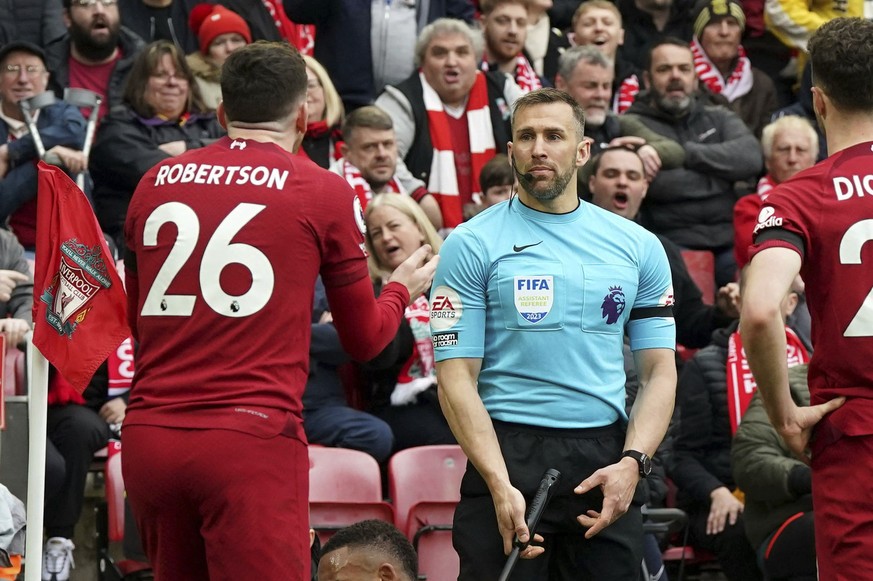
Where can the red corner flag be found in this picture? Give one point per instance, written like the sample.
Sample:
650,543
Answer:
78,299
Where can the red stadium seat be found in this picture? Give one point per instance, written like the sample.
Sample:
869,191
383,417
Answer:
425,485
701,267
345,486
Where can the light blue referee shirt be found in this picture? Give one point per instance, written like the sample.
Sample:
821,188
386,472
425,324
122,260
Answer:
544,300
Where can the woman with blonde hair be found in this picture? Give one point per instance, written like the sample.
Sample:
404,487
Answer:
326,115
403,377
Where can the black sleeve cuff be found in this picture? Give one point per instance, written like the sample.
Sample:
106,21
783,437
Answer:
800,480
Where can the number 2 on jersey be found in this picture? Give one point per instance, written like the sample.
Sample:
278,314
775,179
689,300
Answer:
219,253
850,253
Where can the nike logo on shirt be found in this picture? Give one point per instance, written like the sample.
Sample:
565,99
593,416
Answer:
518,248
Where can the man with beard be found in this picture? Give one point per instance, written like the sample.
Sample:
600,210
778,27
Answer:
693,205
586,74
529,308
504,26
95,54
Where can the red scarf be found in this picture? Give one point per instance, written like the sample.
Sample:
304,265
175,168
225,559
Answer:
443,181
419,372
301,36
362,186
741,384
765,186
525,75
626,94
737,85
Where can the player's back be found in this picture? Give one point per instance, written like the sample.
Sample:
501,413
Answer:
830,206
228,241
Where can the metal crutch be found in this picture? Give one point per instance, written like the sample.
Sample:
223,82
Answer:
29,107
82,98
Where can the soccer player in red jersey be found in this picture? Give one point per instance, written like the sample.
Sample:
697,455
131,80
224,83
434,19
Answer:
818,224
224,246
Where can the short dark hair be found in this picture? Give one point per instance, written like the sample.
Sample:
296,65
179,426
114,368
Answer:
545,97
370,117
841,52
667,40
146,63
497,172
380,536
595,161
263,81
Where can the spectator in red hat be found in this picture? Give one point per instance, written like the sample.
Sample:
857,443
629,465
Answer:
220,32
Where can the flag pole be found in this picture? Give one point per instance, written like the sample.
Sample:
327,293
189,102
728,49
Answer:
37,373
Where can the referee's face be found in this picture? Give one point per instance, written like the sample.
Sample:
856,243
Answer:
546,150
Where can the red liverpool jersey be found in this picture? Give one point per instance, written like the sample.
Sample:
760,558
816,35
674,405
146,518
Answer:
225,243
826,214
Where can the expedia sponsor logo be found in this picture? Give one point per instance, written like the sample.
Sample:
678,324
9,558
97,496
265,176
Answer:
445,308
444,340
534,296
767,219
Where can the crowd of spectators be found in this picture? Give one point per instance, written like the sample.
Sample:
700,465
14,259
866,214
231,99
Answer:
697,109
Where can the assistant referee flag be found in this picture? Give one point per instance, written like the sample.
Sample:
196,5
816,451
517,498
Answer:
79,305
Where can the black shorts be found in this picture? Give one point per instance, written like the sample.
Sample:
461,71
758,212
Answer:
614,554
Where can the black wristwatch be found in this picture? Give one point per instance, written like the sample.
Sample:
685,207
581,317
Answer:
643,460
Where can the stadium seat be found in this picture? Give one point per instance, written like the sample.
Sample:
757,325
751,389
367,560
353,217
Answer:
424,483
345,486
701,267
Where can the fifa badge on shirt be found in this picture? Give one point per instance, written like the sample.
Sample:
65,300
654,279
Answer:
534,296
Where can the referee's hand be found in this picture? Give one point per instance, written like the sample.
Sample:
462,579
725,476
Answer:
416,272
510,507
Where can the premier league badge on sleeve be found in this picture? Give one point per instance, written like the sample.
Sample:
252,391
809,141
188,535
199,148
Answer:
534,296
81,275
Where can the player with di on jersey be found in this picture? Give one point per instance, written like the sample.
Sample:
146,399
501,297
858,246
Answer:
819,224
224,246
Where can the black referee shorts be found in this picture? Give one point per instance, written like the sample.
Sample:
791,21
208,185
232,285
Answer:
614,554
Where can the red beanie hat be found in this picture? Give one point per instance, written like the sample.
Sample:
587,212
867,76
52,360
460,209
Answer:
219,20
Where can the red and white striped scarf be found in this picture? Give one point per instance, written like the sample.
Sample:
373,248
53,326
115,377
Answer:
361,186
765,186
443,181
741,384
525,75
737,85
626,94
419,371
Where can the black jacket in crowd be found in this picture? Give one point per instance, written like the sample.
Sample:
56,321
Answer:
57,55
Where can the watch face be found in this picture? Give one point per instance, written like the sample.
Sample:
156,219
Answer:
645,465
